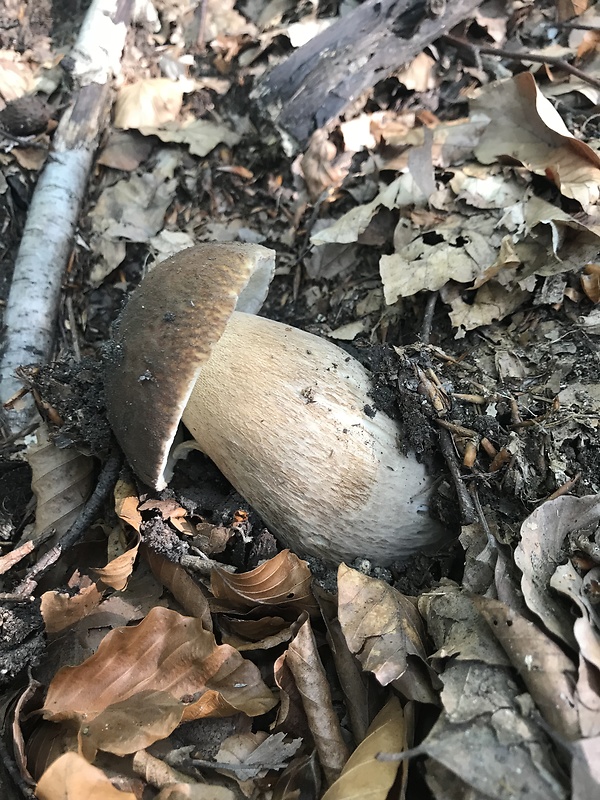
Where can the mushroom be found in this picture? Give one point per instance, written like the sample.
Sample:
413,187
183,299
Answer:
282,413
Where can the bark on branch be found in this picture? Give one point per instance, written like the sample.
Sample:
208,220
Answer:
33,302
319,81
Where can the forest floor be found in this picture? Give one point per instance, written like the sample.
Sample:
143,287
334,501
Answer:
445,232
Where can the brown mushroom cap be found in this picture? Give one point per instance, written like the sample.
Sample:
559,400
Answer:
165,336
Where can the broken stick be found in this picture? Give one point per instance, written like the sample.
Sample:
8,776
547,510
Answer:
34,298
319,81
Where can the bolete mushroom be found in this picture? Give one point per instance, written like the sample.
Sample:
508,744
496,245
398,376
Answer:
281,412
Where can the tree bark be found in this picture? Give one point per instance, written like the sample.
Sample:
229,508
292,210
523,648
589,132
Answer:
33,302
320,80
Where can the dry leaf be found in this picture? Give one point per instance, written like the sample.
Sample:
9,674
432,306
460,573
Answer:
400,193
199,135
364,775
149,102
255,634
61,481
61,610
453,620
302,779
134,208
545,670
252,754
181,585
282,582
385,632
117,572
525,126
492,302
71,776
590,282
131,725
127,504
166,651
540,552
303,660
124,150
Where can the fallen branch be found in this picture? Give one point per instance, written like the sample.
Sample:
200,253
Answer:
323,77
34,298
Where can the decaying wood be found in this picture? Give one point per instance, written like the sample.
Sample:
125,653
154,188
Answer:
319,81
33,303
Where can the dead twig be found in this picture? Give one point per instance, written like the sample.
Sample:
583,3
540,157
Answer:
428,317
468,515
521,55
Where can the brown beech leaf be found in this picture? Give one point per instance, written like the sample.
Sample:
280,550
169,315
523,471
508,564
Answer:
61,610
546,671
116,573
181,585
131,725
365,776
168,652
71,777
283,581
303,660
127,504
385,632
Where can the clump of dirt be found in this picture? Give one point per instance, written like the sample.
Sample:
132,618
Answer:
72,395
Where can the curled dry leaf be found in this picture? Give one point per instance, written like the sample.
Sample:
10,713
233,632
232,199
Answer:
71,776
540,552
590,282
166,651
525,126
282,582
127,504
303,660
157,772
364,775
385,632
60,610
291,717
181,585
546,671
61,481
131,725
116,573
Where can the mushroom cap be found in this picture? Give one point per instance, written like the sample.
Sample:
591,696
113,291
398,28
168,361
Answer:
164,337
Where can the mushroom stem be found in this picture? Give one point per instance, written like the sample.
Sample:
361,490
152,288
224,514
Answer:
282,414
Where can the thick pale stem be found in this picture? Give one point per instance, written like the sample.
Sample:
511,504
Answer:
282,414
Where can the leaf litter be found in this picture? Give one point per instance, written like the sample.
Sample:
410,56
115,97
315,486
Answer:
206,661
